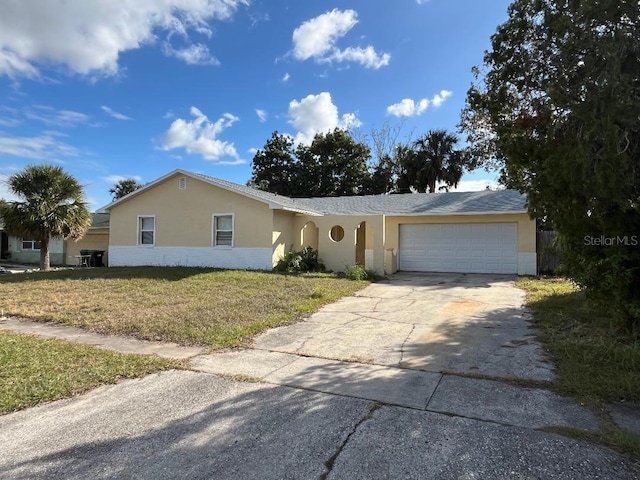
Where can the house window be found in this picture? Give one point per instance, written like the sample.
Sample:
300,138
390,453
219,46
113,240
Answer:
28,244
223,230
336,233
146,230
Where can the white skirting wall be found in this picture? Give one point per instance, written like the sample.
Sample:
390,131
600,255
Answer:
249,258
527,264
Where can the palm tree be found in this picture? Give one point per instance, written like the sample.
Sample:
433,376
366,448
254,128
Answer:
124,187
433,158
53,206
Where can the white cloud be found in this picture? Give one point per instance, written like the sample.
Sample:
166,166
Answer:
286,77
317,38
193,55
58,118
87,37
408,107
114,114
199,137
47,145
439,98
317,114
118,178
262,115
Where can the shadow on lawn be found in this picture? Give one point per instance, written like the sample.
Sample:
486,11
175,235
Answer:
155,273
191,425
170,274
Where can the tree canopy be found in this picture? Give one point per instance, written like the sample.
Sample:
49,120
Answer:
432,159
333,164
556,107
52,205
124,187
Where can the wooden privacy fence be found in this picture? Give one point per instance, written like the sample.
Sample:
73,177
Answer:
548,254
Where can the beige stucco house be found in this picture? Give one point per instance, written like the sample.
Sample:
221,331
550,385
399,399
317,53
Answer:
189,219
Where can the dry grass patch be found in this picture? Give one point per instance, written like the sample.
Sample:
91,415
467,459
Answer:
216,308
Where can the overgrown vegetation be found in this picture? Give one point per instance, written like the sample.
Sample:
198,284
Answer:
561,123
306,260
196,306
358,272
596,361
34,370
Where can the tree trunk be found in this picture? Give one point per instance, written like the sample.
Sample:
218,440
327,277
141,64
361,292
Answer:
432,186
45,261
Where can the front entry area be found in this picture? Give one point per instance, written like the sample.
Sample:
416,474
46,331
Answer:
461,248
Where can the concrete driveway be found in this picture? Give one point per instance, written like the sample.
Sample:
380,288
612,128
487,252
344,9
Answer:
407,379
437,322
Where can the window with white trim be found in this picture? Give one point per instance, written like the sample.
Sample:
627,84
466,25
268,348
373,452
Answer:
146,230
29,244
223,230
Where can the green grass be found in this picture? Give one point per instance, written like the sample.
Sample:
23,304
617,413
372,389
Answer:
596,360
34,370
215,308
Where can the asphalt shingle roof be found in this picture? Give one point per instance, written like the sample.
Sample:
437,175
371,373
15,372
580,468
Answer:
441,203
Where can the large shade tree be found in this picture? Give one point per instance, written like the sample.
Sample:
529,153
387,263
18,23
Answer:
556,106
51,205
333,164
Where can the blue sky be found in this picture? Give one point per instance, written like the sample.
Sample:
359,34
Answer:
136,89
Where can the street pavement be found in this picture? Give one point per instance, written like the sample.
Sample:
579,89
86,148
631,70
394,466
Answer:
419,377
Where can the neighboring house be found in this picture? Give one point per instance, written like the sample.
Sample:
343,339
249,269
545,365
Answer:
96,238
26,250
189,219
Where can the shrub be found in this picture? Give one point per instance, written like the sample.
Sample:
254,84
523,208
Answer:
306,260
358,272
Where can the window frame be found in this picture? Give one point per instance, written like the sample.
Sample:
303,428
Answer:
214,230
33,244
140,231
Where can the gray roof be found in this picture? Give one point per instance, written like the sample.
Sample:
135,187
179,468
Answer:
99,220
441,203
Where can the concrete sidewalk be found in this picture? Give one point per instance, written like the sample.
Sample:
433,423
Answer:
419,377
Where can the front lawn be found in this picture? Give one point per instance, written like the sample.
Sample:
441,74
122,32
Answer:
34,370
215,308
596,360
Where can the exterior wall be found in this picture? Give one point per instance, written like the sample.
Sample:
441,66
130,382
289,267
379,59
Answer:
183,222
526,235
249,258
283,238
94,239
18,255
339,255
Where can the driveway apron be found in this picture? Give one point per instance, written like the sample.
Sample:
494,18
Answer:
462,323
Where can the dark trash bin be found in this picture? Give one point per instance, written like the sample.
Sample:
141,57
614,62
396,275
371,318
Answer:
96,257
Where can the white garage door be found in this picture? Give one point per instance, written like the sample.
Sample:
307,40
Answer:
463,247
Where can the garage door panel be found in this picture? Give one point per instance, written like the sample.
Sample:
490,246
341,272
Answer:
481,247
